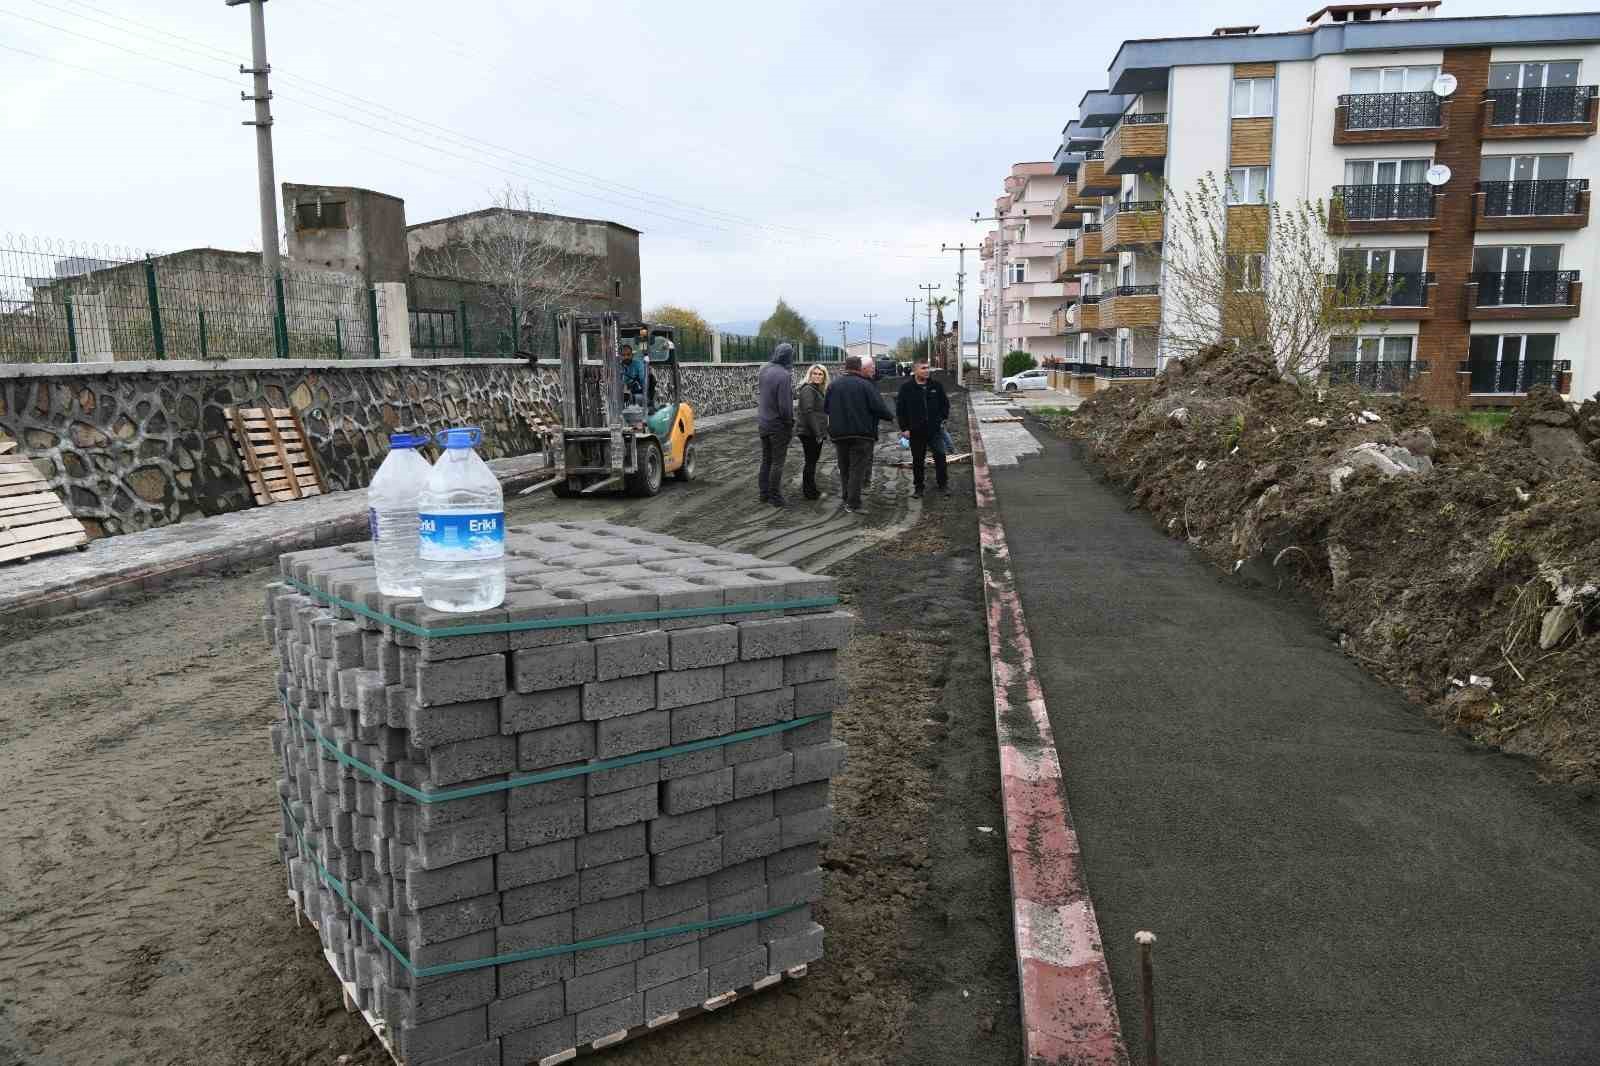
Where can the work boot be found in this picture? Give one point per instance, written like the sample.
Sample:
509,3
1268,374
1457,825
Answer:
916,493
944,490
778,501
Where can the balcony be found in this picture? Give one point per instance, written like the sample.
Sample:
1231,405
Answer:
1085,317
1383,118
1138,145
1032,208
1529,294
1130,225
1035,290
1554,111
1092,180
1065,212
1088,252
1384,209
1031,250
1513,377
1514,205
1060,321
1387,297
1131,307
1370,375
1065,267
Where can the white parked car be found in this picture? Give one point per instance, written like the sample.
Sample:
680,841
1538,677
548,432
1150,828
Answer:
1028,379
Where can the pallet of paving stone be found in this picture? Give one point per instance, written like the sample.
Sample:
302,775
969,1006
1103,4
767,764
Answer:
33,520
643,736
271,445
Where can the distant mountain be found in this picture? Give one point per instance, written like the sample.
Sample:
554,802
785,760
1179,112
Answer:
858,330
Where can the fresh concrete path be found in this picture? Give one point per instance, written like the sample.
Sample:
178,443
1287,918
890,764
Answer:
1332,880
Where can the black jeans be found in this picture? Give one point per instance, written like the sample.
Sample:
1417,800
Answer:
774,448
812,446
855,467
919,451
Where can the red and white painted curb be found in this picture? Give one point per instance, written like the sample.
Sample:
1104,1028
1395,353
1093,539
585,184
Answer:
1069,1012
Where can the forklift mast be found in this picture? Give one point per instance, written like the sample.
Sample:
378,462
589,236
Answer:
591,378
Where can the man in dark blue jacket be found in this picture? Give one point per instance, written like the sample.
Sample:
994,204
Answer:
854,409
774,421
922,406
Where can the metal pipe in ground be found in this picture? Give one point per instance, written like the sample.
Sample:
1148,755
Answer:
1147,995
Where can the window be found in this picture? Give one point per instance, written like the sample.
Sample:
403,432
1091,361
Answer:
1386,188
1019,271
1393,79
1533,75
1247,185
1386,171
1245,272
616,287
1520,276
1385,277
1384,349
1122,352
320,215
1528,93
1513,362
1252,97
1526,167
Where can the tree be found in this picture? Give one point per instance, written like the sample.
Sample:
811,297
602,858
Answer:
683,319
527,265
1016,362
941,353
786,324
1222,284
906,350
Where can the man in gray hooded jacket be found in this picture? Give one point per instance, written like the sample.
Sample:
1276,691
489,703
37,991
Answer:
775,421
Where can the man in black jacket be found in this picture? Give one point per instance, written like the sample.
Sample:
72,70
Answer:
922,406
854,410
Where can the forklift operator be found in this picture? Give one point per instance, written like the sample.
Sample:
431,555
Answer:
633,375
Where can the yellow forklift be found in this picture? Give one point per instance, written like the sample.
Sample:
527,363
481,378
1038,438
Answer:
620,428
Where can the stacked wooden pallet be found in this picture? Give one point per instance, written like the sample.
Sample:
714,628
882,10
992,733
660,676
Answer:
271,444
33,520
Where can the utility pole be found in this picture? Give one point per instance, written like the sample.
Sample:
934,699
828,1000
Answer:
914,301
930,290
844,338
869,316
263,124
999,219
961,303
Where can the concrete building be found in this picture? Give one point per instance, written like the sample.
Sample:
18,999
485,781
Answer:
1027,282
867,349
1454,154
353,231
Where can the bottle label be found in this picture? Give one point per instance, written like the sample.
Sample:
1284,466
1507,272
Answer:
372,522
446,537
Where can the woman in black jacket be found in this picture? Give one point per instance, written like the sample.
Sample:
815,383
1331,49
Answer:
812,425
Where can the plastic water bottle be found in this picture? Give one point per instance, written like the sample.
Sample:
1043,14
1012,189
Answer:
392,515
462,520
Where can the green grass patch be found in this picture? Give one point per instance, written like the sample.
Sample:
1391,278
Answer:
1486,422
1052,412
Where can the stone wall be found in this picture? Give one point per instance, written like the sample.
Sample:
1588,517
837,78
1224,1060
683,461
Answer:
134,445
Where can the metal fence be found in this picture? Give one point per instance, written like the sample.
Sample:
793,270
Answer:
65,303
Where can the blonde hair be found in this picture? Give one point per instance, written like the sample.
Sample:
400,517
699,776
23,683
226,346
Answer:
819,366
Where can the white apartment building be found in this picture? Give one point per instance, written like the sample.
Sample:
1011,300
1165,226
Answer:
1454,154
1025,281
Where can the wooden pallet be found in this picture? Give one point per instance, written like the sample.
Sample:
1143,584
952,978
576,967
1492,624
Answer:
33,520
271,445
959,457
390,1040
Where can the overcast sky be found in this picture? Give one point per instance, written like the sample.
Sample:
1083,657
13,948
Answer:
818,151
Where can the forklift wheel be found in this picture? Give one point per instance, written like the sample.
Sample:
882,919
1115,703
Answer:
564,490
685,471
646,481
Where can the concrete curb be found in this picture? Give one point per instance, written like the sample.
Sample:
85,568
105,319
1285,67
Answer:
137,579
1069,1012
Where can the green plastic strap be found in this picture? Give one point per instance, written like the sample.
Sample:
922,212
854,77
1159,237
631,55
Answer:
517,956
553,623
564,772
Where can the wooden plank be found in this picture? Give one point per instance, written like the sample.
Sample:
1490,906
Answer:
252,468
42,547
12,504
6,446
283,457
50,512
300,436
1255,70
42,531
1251,144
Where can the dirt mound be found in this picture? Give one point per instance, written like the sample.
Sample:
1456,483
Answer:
1463,566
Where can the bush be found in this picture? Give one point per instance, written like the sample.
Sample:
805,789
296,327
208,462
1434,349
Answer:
1016,362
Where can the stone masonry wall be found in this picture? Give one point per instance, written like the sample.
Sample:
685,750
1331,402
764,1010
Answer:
134,445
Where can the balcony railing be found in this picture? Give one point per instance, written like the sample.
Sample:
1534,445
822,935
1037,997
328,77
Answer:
1525,288
1098,153
1375,376
1382,290
1114,208
1152,118
1511,376
1390,111
1373,203
1136,290
1552,105
1506,198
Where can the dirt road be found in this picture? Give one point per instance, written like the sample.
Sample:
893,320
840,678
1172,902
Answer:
142,917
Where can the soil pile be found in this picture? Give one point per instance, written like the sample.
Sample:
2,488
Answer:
1462,566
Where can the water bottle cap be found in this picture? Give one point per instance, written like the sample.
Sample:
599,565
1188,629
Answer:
407,440
460,437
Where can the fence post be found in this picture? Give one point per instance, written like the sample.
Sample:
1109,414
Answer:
338,337
466,332
202,313
72,329
372,314
155,308
716,347
280,319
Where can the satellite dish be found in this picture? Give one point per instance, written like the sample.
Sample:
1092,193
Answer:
1437,175
1444,85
